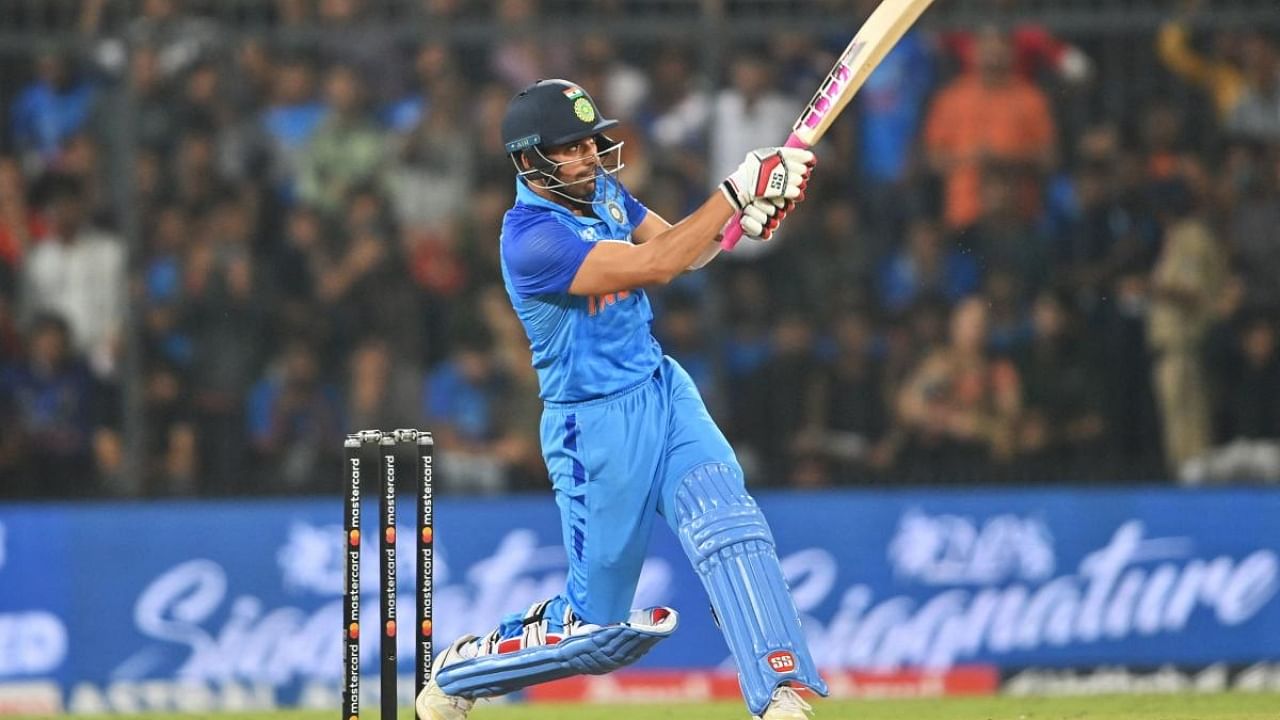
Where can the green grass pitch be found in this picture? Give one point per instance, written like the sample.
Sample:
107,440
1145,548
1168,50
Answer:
1230,706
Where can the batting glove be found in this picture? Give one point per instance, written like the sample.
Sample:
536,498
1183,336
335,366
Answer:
769,173
762,217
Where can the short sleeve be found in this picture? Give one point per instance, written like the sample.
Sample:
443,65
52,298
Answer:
543,258
636,211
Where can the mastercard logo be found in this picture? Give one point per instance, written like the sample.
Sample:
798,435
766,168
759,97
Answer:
353,538
391,628
426,628
353,630
427,535
391,534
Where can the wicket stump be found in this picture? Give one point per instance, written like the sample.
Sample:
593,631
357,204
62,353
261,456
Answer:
354,454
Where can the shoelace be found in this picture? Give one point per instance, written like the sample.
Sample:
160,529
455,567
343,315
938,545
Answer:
785,698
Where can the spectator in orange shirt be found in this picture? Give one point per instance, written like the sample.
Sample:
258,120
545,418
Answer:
989,115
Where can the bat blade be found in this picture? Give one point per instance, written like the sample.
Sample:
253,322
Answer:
877,36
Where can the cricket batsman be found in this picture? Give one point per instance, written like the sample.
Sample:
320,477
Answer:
625,434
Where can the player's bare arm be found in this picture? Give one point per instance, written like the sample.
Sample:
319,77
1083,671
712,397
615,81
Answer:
758,221
766,181
614,266
655,225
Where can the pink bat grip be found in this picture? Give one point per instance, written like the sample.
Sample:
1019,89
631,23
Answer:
733,231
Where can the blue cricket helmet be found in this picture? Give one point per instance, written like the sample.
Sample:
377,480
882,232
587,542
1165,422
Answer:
550,113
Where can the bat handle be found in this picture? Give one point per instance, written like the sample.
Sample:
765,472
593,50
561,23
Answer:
733,230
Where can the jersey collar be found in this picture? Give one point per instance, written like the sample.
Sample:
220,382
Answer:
526,196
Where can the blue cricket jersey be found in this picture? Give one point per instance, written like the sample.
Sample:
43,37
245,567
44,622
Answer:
583,347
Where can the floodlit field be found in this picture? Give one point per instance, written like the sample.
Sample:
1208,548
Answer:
1236,706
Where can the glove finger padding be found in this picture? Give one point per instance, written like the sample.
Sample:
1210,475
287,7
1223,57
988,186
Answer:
762,217
792,200
756,217
800,164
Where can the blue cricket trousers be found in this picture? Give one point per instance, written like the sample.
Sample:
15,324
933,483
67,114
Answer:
615,464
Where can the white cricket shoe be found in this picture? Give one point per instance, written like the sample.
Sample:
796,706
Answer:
786,705
433,703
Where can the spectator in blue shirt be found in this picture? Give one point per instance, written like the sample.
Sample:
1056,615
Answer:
892,106
291,117
463,404
47,416
293,417
52,108
462,393
926,265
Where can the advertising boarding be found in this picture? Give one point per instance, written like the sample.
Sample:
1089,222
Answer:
237,605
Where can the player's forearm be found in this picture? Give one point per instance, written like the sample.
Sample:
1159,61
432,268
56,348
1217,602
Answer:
767,174
707,255
677,248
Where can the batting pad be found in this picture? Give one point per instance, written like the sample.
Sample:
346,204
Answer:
727,539
591,650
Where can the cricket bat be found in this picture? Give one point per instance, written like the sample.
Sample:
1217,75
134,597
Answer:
874,40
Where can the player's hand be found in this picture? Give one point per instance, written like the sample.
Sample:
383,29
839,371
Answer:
769,173
762,217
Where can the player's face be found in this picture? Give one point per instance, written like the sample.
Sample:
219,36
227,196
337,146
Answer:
578,169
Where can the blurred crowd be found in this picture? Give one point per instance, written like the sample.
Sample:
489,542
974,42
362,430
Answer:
998,275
